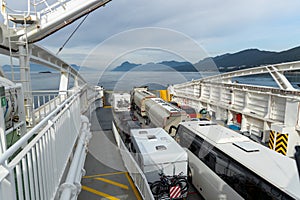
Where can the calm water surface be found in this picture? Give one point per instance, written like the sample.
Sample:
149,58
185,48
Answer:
121,81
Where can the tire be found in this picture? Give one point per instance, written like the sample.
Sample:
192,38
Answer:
156,188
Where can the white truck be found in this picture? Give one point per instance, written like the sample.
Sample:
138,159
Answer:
156,151
121,102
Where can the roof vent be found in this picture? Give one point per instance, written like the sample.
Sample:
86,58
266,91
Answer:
246,146
209,124
151,137
161,148
143,132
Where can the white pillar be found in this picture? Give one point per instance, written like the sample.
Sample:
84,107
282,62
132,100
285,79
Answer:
244,124
63,85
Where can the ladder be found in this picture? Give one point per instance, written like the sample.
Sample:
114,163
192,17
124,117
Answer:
17,21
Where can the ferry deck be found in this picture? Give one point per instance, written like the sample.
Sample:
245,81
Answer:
106,176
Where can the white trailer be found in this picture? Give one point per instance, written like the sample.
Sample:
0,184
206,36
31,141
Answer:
140,95
121,102
156,151
162,114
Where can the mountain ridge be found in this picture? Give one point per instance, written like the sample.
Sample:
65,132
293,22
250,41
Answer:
226,62
244,59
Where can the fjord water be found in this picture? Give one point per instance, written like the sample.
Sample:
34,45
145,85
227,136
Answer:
125,81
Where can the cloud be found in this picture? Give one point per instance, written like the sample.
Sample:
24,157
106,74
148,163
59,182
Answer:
156,44
219,26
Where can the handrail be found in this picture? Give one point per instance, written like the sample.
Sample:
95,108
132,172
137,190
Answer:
134,170
17,11
77,161
10,151
282,67
37,169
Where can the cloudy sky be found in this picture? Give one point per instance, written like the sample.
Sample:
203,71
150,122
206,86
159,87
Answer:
215,26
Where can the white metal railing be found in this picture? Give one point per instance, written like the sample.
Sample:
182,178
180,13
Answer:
44,102
72,185
35,170
42,97
132,167
259,108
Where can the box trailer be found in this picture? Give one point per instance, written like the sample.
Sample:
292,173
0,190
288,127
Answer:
156,151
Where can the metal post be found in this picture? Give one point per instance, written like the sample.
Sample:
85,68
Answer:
21,110
26,82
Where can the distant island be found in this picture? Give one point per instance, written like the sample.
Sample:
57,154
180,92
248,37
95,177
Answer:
161,66
227,62
45,72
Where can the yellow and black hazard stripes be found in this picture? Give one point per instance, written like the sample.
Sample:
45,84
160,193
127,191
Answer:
281,143
271,141
278,142
113,186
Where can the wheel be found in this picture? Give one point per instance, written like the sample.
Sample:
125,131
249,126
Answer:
156,188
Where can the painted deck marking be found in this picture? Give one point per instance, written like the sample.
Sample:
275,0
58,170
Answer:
98,177
113,183
99,193
107,174
135,191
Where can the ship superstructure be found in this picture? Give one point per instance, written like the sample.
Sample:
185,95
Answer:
50,130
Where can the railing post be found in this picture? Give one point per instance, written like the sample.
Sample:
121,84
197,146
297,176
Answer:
63,85
5,185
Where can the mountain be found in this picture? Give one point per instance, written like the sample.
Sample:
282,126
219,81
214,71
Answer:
161,66
180,66
250,58
226,62
125,66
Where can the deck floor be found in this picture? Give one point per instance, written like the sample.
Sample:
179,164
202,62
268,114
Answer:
106,176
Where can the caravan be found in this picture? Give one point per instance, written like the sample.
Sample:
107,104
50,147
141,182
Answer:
155,151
